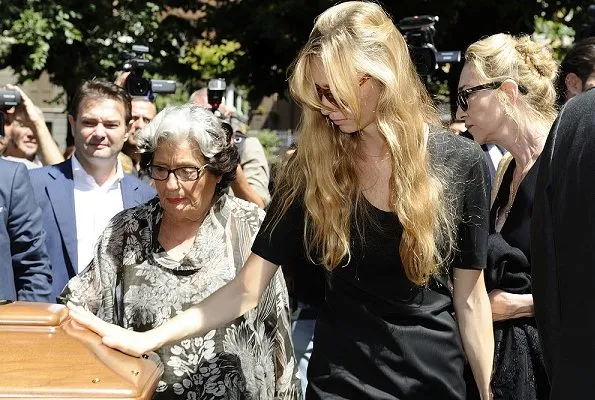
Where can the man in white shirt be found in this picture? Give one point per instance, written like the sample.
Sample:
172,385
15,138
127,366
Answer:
79,196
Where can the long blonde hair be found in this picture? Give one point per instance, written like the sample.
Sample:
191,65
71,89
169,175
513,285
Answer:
352,39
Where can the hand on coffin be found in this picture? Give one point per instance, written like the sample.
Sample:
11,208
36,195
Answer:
127,341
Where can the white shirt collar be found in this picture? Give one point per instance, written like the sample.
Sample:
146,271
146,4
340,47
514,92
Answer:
80,174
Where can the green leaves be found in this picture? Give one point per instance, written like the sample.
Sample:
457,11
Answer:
212,60
249,42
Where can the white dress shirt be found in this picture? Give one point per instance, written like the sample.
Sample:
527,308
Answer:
94,206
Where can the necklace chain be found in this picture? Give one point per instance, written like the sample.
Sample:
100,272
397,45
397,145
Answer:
514,188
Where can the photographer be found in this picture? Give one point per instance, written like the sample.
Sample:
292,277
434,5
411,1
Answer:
252,175
142,93
28,139
143,112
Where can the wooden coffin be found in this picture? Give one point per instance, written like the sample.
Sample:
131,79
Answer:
46,355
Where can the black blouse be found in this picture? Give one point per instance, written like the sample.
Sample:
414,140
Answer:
378,335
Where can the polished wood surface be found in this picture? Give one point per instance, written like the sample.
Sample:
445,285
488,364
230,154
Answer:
44,354
22,313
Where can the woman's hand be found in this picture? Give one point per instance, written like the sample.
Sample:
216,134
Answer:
31,111
129,342
508,305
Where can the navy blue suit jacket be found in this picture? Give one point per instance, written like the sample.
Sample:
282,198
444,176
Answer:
24,265
54,190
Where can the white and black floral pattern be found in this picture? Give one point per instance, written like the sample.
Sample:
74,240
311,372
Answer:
132,282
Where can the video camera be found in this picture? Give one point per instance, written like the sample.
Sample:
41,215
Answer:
138,86
215,92
8,99
419,33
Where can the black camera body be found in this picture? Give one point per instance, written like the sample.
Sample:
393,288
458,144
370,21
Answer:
8,99
419,33
136,85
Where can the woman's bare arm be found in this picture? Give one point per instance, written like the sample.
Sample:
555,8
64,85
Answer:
473,313
229,302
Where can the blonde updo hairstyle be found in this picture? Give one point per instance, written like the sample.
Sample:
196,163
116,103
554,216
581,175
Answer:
530,64
353,39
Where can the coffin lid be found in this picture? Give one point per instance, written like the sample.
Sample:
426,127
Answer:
47,355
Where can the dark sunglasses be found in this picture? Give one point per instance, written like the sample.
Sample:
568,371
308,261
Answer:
326,92
463,95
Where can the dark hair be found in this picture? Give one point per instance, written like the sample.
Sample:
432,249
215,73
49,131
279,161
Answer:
224,164
92,89
580,60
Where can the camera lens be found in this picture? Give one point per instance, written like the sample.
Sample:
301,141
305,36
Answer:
138,86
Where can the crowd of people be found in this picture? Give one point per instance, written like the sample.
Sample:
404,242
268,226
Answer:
424,263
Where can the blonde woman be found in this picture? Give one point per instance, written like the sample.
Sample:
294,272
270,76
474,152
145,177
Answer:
390,210
507,97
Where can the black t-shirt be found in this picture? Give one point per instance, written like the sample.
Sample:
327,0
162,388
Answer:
378,335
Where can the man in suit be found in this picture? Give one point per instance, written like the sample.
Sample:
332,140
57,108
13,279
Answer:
562,252
24,265
79,196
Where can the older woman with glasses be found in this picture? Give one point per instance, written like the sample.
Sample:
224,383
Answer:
507,97
156,260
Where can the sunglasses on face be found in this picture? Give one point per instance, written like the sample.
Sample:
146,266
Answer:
463,95
326,92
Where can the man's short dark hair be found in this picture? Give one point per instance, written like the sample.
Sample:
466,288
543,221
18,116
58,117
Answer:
92,89
580,60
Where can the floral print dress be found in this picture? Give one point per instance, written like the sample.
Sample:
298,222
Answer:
132,282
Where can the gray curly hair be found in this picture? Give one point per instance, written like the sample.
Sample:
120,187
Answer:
198,125
184,122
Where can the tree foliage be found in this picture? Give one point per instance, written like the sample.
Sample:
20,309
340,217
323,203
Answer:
75,40
248,42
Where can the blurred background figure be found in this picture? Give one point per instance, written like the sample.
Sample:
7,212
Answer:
143,112
252,177
577,71
28,139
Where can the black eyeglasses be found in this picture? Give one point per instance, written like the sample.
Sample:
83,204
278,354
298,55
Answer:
184,174
463,95
326,92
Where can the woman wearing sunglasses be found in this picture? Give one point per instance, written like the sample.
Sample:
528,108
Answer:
507,97
388,206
